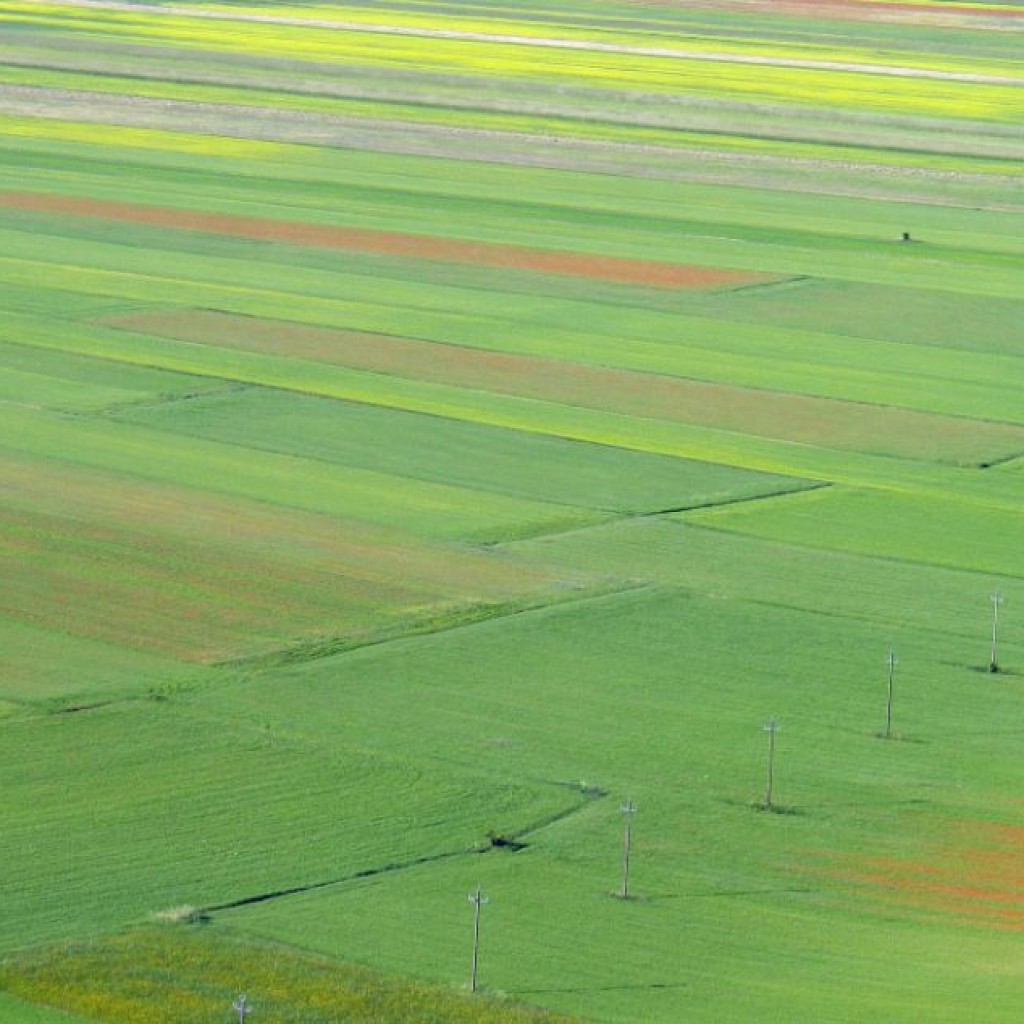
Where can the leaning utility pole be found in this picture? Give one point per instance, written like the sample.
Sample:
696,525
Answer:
997,600
892,662
628,810
478,899
771,728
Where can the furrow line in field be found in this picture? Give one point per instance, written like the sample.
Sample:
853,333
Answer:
440,621
547,42
911,561
266,897
745,499
511,842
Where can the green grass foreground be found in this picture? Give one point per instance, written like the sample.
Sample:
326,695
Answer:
168,974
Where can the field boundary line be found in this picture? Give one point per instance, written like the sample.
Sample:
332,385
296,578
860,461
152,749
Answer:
429,624
588,797
803,545
297,890
804,487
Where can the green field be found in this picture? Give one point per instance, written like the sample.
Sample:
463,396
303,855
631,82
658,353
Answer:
426,427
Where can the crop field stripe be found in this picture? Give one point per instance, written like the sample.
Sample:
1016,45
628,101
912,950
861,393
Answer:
621,69
946,532
694,553
953,383
200,776
937,153
459,452
421,507
530,415
755,411
995,272
57,160
461,28
756,55
626,271
215,577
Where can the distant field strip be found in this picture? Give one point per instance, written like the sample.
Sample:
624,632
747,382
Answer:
807,85
497,410
946,532
650,274
583,45
420,508
541,467
824,422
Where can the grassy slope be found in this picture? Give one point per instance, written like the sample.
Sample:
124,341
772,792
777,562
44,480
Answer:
312,524
293,988
652,696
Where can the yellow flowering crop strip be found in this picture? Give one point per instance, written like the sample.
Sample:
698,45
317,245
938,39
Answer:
140,138
569,126
439,25
681,75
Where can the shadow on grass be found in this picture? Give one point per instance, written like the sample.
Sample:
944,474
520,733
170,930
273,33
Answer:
781,809
640,986
988,670
784,890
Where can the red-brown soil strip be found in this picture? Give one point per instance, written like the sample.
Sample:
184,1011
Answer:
977,875
645,273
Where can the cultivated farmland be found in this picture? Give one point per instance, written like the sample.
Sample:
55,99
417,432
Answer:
426,428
